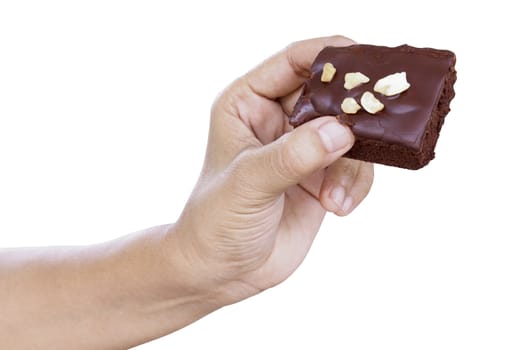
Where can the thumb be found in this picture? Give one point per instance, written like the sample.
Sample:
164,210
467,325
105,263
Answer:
273,168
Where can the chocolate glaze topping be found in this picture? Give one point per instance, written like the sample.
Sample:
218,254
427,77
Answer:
404,119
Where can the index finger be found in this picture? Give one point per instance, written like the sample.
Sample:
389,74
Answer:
284,72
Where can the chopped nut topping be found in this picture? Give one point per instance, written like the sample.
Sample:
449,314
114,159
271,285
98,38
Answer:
354,79
350,106
370,103
328,73
392,84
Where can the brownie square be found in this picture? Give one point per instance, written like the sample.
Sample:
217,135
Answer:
405,132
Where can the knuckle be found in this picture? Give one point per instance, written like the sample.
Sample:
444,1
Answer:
291,54
291,161
242,175
242,165
350,169
226,100
338,39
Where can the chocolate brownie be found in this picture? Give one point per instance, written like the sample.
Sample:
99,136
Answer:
395,99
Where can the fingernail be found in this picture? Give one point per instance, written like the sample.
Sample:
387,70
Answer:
334,136
337,195
347,205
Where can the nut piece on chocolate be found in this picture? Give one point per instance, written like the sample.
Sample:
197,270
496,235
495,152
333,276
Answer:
328,72
405,131
392,84
370,103
354,79
350,106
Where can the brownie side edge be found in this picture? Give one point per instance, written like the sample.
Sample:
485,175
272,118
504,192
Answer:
375,151
437,120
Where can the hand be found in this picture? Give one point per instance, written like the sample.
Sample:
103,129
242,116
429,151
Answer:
264,189
249,223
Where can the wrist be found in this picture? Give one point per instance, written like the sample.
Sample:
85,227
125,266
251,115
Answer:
200,269
187,273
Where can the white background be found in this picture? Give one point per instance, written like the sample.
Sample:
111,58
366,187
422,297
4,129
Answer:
104,109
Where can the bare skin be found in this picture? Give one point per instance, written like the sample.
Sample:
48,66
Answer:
250,221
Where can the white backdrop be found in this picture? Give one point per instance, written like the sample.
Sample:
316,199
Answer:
103,129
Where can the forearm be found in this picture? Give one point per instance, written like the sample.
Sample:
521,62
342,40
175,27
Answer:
108,296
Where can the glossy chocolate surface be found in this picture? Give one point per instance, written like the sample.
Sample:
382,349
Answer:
405,117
